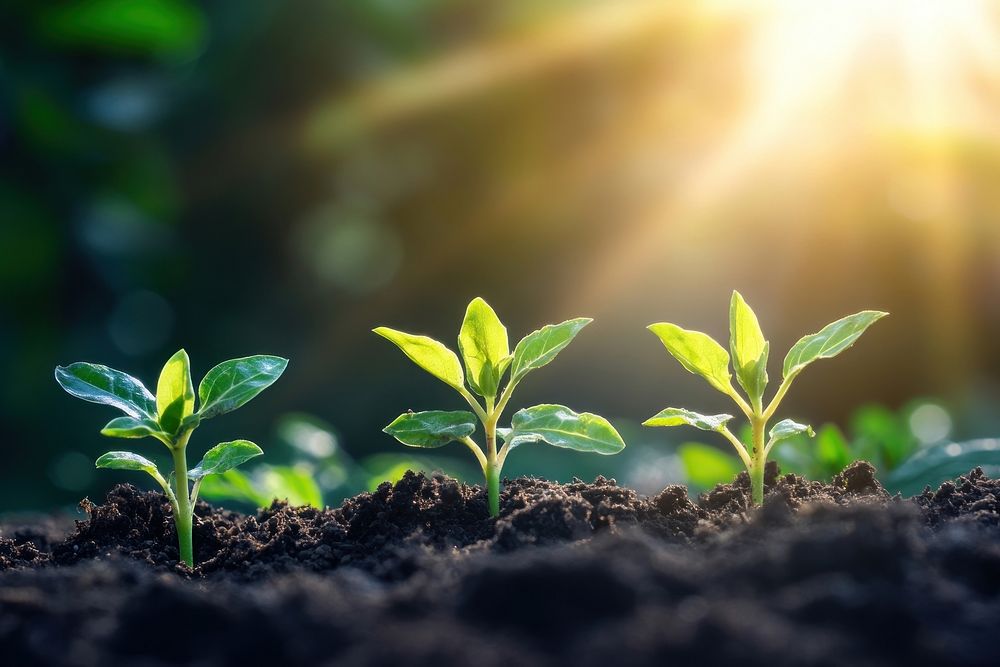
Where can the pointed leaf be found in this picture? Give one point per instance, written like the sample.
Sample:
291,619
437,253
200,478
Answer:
787,428
540,347
127,461
749,349
698,353
100,384
559,426
484,347
223,457
233,383
830,341
429,354
682,417
174,391
433,428
129,427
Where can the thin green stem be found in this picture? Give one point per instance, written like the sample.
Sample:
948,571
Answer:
740,449
504,398
184,516
492,467
739,400
471,444
780,394
476,407
758,424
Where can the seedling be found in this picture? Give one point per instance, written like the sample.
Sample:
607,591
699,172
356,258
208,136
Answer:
170,417
487,357
700,354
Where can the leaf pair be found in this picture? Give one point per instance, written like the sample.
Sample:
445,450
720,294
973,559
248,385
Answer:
217,460
225,388
555,425
700,354
483,343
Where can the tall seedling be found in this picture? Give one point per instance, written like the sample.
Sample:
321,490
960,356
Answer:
171,418
700,354
487,360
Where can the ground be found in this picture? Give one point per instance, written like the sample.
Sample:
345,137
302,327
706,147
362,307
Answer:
576,574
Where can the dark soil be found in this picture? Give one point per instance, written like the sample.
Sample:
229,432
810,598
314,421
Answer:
576,574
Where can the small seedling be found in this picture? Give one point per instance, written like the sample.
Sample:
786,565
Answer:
487,357
170,417
700,354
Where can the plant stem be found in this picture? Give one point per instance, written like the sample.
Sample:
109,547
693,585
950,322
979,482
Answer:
184,517
492,468
757,423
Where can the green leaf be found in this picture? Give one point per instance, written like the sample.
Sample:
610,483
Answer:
223,457
681,417
698,353
429,354
433,428
127,461
100,384
830,341
540,347
943,462
233,383
706,466
749,349
484,347
129,427
174,392
559,426
787,428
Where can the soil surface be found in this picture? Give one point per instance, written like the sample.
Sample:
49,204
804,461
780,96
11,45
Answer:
579,574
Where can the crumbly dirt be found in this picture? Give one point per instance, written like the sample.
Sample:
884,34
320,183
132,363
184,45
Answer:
578,574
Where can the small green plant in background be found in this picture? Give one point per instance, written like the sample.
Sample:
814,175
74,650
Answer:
171,418
700,354
487,359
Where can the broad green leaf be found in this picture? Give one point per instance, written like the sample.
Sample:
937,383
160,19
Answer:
233,383
943,462
433,428
174,391
429,354
748,347
129,427
706,466
698,353
223,457
830,341
127,461
559,426
787,428
100,384
484,347
681,417
540,347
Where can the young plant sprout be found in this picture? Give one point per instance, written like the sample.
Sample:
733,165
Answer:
170,417
486,353
700,354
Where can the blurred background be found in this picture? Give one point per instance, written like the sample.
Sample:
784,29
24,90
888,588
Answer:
278,177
